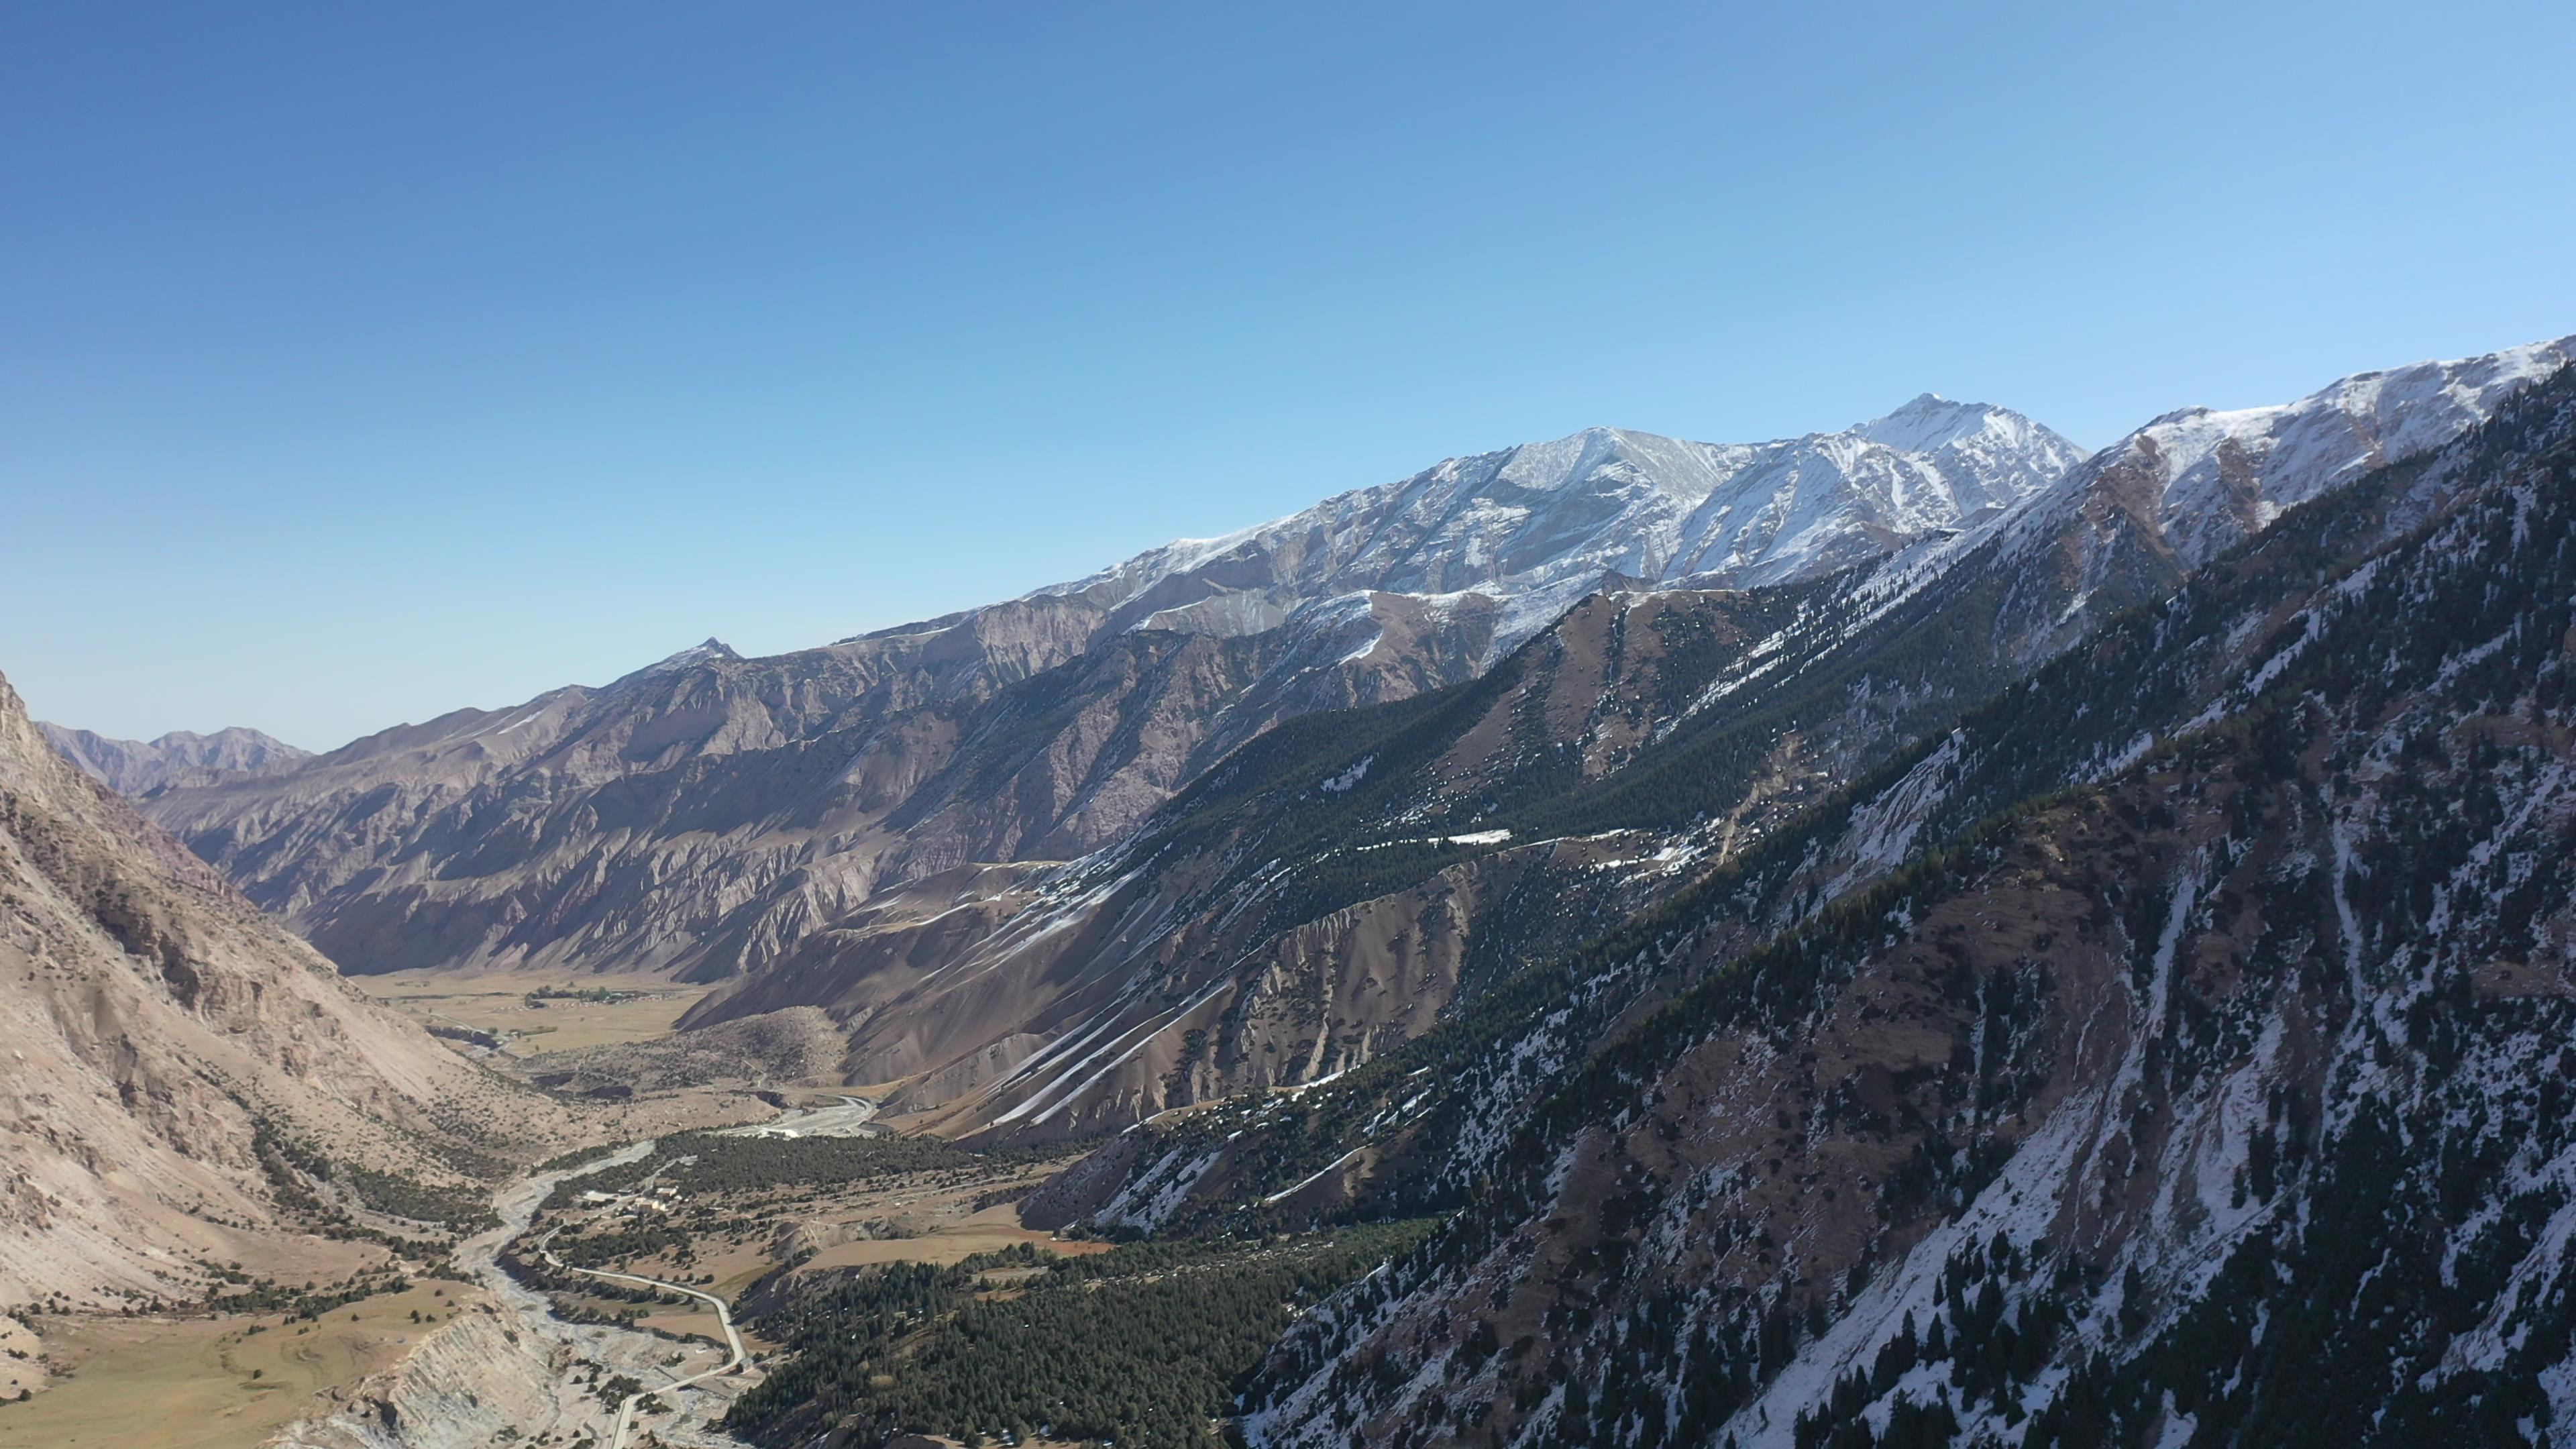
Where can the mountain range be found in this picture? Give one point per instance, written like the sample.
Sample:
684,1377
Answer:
1911,936
818,828
707,812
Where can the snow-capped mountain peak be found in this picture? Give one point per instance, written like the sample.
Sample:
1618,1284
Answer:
1539,525
2211,477
708,651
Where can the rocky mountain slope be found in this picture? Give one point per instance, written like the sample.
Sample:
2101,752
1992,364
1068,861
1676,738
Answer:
139,767
708,813
1344,883
172,1053
2171,1053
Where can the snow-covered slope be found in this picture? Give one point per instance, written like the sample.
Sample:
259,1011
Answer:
1540,525
2204,479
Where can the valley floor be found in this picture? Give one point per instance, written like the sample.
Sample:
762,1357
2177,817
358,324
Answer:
530,1013
228,1383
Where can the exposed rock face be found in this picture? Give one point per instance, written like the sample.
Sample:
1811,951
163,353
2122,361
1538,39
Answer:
475,1377
711,812
2173,1052
153,1020
139,767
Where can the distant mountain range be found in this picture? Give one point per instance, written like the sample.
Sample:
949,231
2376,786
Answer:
710,811
139,767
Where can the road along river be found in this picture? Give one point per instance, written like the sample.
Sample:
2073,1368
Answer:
620,1350
724,1317
515,1367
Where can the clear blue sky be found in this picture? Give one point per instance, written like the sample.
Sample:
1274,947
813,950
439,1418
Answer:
358,362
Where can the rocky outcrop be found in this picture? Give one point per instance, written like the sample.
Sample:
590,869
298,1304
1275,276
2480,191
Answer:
476,1376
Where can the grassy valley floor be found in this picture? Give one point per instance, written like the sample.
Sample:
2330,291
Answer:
223,1383
535,1012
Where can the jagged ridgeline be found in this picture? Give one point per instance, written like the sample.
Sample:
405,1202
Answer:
2174,1046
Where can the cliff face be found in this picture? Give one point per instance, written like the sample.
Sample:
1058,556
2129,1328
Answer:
479,1379
157,1025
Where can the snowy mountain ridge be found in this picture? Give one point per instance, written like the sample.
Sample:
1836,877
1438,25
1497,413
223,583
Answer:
1055,724
2206,478
1539,525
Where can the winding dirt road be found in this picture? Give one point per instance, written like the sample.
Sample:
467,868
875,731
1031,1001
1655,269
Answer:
724,1316
517,1208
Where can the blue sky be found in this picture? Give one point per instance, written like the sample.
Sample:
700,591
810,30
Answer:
359,362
